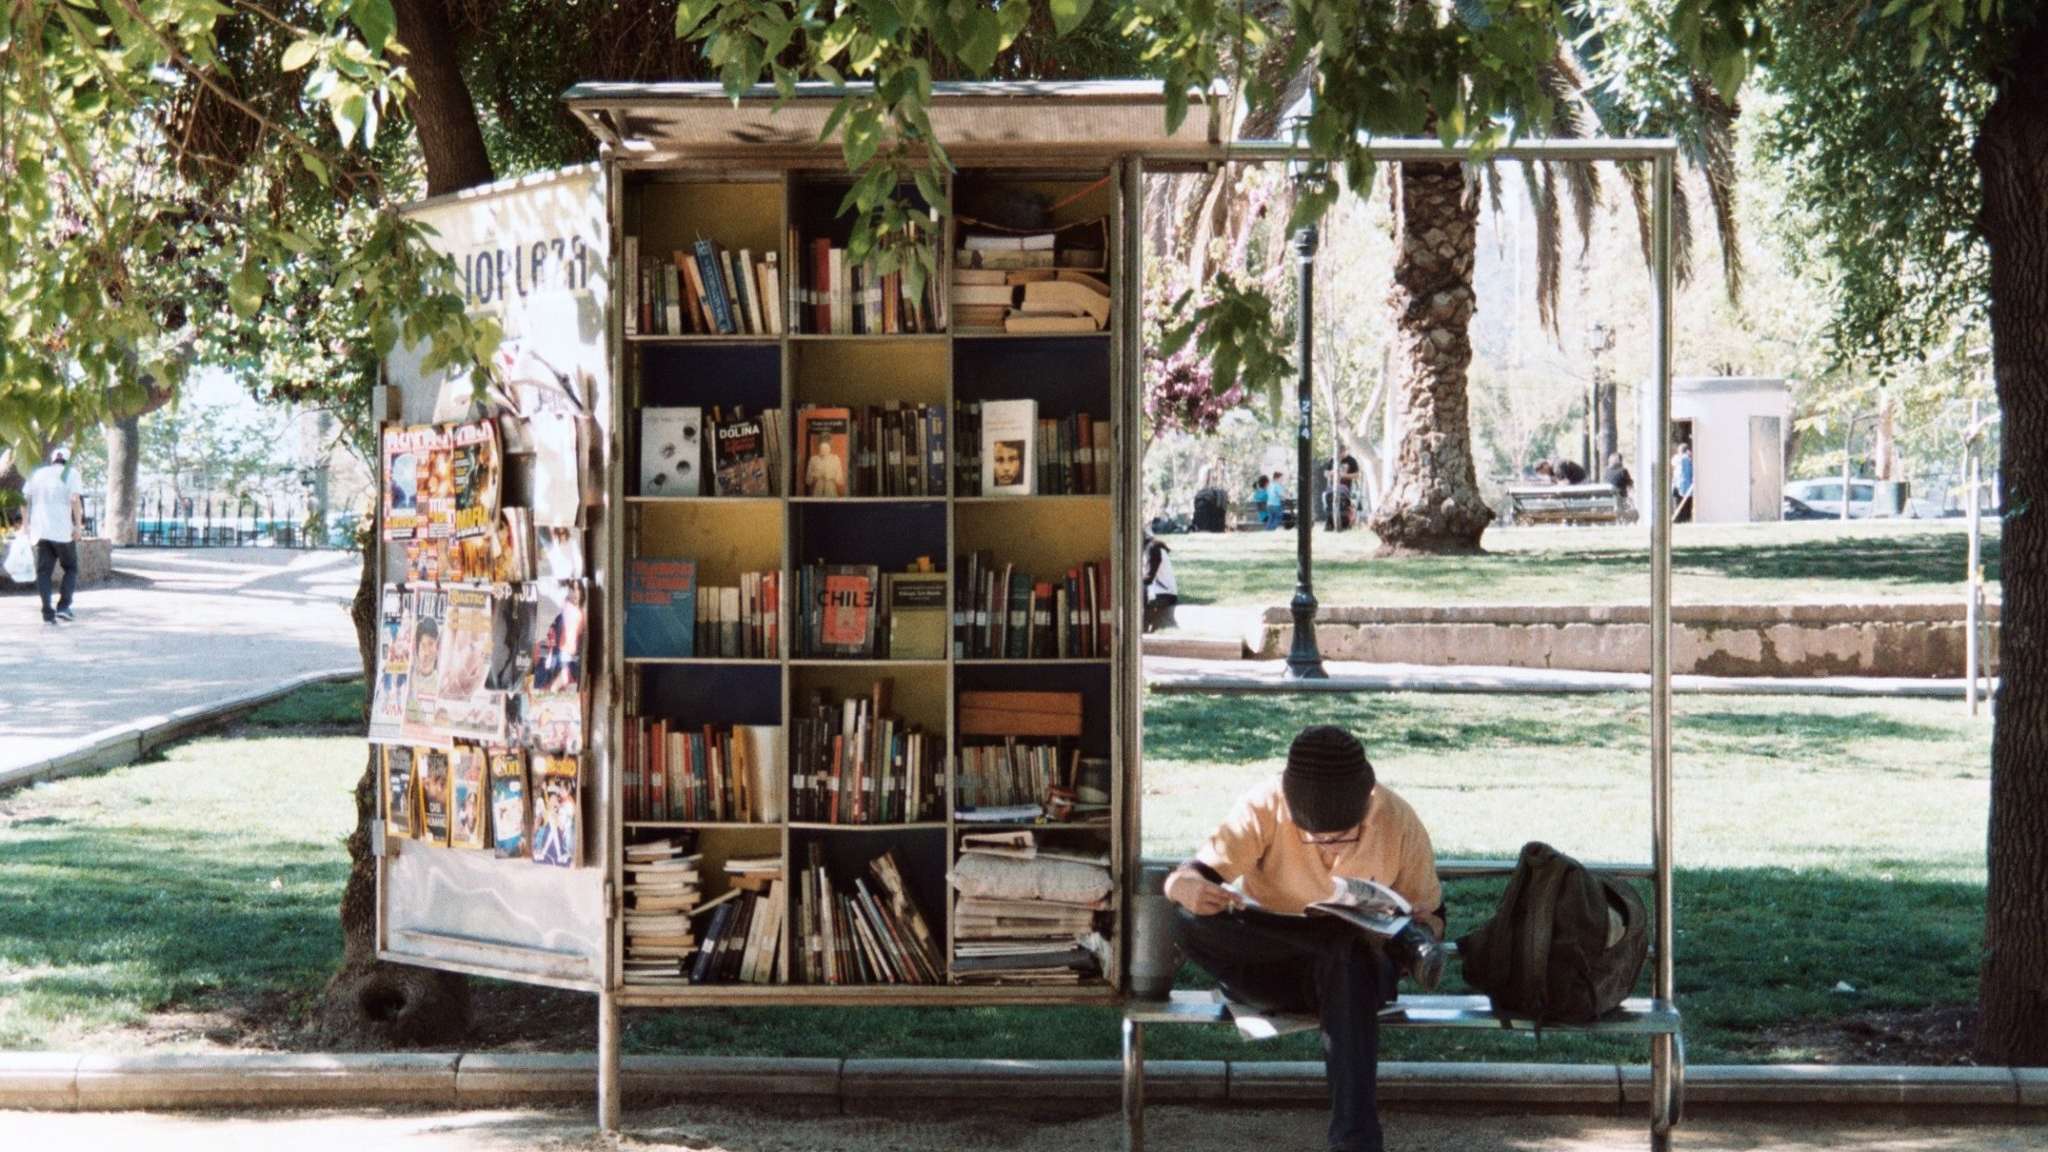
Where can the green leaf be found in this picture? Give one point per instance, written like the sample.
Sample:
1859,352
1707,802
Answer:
1068,14
316,166
690,14
298,55
375,20
245,289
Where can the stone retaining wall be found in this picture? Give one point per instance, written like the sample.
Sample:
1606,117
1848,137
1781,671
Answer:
95,564
1879,638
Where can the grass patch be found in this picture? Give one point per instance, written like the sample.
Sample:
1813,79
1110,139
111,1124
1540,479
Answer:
1711,563
1823,840
331,705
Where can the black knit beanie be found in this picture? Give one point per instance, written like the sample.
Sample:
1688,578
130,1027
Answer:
1328,779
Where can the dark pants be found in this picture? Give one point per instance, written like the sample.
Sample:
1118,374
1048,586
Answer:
1283,964
49,554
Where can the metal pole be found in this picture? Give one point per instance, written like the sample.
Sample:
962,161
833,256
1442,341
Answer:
1848,441
1660,586
607,1062
1304,662
1973,587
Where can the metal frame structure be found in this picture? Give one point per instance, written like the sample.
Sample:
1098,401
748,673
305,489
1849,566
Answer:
650,126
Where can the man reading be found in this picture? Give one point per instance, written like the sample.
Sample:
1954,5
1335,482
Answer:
1279,851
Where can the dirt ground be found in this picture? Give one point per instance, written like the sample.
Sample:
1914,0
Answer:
704,1129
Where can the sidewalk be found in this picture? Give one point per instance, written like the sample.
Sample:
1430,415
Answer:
733,1128
174,629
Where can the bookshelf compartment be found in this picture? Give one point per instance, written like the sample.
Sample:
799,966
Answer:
686,393
887,535
921,856
880,372
733,287
677,773
673,214
1044,538
1031,254
724,538
1033,907
842,298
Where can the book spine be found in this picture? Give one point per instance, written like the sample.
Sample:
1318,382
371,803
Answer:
714,286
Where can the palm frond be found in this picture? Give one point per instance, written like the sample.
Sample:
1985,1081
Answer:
1541,180
1574,118
1711,147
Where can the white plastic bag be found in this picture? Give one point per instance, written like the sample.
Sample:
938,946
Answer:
21,559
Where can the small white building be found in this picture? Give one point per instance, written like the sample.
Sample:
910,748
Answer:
1736,426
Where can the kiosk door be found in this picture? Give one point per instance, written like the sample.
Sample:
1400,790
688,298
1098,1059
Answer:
534,254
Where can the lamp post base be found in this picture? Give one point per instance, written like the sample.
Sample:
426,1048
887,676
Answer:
1304,660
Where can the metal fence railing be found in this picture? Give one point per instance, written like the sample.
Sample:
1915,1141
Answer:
209,521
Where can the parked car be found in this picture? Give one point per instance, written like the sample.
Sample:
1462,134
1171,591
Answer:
1797,509
1825,497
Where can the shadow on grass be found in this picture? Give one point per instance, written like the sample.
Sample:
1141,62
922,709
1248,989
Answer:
1246,728
313,706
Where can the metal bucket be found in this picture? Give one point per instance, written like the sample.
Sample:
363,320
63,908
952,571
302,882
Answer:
1154,956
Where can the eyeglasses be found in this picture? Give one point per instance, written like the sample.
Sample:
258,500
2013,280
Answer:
1333,839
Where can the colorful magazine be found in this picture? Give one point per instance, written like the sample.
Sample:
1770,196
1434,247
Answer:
432,766
423,688
464,706
406,456
401,812
394,666
557,814
560,555
468,787
476,474
509,813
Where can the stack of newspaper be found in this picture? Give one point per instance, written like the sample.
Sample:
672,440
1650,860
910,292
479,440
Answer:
661,892
1027,913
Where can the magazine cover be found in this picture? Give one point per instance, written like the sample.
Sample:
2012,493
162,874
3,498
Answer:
423,689
401,814
560,554
465,708
511,641
478,478
742,459
423,561
437,484
661,607
823,434
512,549
394,665
554,705
432,766
671,451
402,458
508,803
468,788
469,561
557,471
557,816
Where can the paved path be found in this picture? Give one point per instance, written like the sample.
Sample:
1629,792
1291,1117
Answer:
174,628
1184,674
707,1129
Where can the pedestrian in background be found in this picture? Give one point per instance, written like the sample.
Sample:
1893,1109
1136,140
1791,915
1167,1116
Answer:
55,512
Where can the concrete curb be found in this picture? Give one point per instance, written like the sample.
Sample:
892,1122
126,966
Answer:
39,1081
1174,675
127,743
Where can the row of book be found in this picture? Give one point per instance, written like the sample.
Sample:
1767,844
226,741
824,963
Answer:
1016,452
707,289
866,932
836,295
743,938
748,453
1012,775
1003,613
1028,300
669,616
855,762
855,611
873,450
708,772
662,891
1008,929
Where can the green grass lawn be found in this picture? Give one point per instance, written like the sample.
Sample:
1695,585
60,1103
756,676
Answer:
1823,841
1712,563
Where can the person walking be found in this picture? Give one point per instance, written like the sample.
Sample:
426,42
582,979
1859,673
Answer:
55,512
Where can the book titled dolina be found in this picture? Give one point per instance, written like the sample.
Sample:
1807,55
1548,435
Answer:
742,451
661,608
1009,447
671,451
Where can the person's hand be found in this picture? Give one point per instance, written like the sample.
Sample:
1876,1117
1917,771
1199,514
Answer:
1194,892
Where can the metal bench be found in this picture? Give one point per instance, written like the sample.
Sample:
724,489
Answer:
1562,504
1655,1018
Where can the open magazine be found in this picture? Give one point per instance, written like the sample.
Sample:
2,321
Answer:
1364,904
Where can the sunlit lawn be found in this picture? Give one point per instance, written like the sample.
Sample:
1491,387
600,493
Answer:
1820,841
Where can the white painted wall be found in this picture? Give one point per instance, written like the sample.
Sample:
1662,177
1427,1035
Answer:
1720,408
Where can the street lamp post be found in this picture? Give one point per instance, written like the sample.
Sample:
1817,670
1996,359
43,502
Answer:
1304,661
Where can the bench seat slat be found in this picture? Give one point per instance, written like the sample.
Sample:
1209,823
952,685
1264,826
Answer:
1637,1016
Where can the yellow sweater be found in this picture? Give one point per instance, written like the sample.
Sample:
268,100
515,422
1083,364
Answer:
1260,844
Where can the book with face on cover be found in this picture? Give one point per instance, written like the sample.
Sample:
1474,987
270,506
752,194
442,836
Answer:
1009,447
432,766
557,815
824,445
468,787
671,451
394,667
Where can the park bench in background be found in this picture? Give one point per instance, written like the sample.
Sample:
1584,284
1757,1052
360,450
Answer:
1562,504
1637,1016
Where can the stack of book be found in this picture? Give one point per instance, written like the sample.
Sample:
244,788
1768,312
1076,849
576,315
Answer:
668,616
661,894
712,773
856,611
1012,778
1028,913
1001,613
705,290
749,454
835,296
855,762
1040,299
742,941
874,450
868,932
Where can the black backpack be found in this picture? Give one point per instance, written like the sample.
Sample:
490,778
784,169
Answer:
1564,947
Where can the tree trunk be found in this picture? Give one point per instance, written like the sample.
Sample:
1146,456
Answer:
1604,388
371,1004
1434,504
124,469
442,112
2012,160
